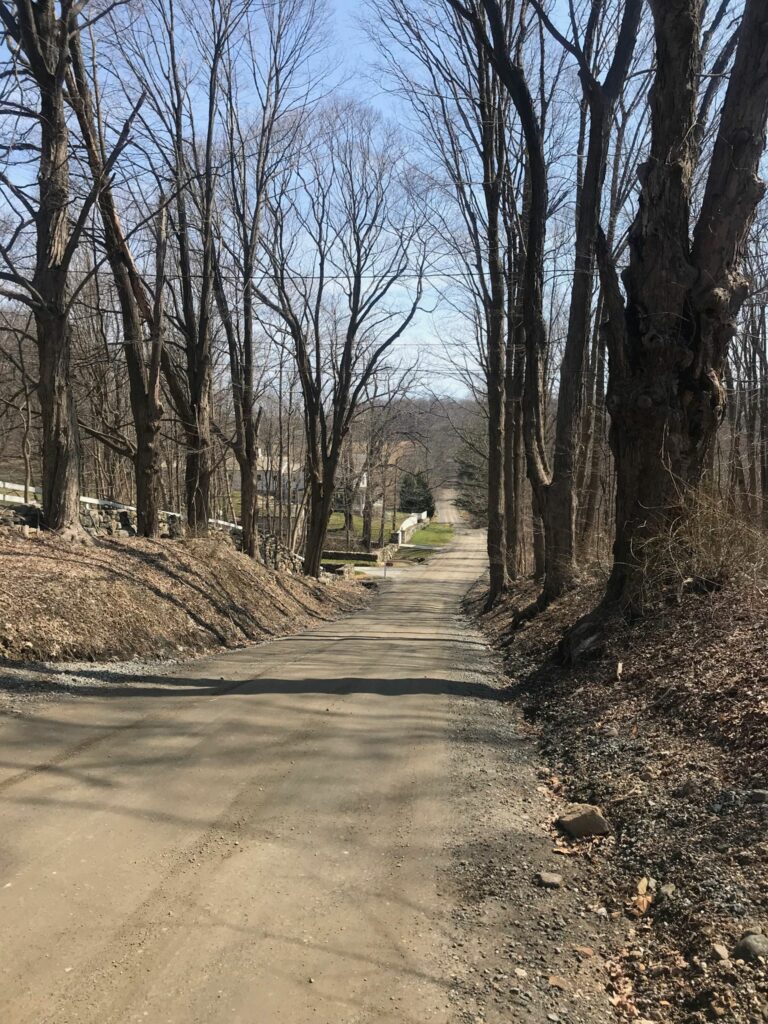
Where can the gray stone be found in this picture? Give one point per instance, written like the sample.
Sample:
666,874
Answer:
758,796
549,880
751,946
582,820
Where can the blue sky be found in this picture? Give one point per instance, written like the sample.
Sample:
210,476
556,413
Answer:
357,53
359,58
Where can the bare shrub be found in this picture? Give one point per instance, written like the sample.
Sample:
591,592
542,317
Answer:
705,548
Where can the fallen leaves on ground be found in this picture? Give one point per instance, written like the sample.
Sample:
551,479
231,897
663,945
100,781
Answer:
126,598
667,730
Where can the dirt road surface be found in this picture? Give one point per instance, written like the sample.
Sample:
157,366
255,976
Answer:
272,835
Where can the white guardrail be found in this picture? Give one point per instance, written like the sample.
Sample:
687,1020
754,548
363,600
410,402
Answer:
413,520
13,494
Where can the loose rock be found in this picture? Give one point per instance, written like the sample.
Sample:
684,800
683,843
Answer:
581,820
751,946
549,880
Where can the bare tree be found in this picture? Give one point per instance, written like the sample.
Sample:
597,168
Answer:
142,315
600,98
38,38
554,485
344,278
463,114
669,334
258,143
180,121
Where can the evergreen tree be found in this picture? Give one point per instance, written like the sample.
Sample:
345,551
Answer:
415,494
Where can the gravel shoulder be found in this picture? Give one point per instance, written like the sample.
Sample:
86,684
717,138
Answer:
521,950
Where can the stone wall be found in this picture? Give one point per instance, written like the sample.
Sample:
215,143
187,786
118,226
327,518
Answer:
107,519
110,519
373,557
408,527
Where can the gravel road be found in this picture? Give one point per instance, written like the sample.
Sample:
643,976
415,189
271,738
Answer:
307,831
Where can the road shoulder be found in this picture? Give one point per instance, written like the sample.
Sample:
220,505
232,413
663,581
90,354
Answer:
519,950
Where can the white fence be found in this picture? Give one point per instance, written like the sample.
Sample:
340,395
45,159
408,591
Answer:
402,534
13,494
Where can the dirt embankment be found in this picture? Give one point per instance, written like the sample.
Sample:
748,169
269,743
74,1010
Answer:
149,599
668,731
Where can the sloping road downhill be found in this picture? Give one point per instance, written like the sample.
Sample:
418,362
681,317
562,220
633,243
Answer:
267,841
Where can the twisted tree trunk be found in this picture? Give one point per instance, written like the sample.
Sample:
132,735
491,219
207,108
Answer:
668,345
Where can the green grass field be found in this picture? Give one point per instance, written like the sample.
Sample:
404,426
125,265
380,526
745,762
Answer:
336,524
435,536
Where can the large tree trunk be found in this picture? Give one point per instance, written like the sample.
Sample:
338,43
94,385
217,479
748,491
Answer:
738,491
146,407
367,538
496,325
763,427
497,538
248,498
539,545
668,347
61,437
594,479
198,472
148,461
319,514
561,503
147,419
135,308
514,451
534,221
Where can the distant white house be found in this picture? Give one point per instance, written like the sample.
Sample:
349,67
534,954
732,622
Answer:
272,478
354,466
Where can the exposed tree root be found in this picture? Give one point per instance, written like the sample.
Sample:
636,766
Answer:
587,636
523,615
492,601
75,535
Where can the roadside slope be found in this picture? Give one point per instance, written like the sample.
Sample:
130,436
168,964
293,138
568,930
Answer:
667,730
148,599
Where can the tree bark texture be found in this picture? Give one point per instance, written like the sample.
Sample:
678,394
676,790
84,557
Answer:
669,343
60,434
